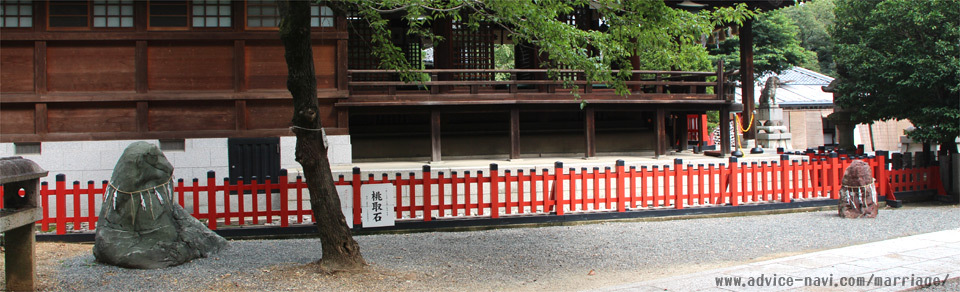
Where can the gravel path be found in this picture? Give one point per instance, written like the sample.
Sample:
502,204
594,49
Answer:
555,258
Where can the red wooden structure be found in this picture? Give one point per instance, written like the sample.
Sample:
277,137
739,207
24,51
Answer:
437,195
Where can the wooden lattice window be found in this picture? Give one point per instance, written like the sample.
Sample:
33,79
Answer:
321,16
472,49
65,14
210,13
168,14
183,15
360,55
16,14
262,14
97,14
113,13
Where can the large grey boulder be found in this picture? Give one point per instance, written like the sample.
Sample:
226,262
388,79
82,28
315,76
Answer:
140,225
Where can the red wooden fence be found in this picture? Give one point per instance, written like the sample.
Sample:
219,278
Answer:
432,195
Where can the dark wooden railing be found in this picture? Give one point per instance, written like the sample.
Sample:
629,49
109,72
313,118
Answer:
645,84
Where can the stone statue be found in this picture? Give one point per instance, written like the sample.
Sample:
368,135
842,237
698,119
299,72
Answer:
771,131
768,96
140,225
858,194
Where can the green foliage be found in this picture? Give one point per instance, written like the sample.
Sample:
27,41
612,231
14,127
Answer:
503,60
776,47
713,120
662,37
814,19
900,59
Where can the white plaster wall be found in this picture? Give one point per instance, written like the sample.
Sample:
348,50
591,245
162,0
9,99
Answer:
94,160
340,152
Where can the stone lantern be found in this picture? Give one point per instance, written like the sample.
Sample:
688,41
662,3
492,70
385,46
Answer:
17,220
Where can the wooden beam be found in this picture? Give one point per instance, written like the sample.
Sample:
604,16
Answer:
590,133
40,118
140,67
724,131
241,114
514,133
239,66
40,67
435,135
661,131
142,117
746,75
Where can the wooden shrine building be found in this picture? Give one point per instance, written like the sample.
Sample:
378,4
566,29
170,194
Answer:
167,70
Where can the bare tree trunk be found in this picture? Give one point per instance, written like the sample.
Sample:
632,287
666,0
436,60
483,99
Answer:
340,251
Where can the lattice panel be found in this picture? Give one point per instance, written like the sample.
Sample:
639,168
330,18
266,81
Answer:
472,50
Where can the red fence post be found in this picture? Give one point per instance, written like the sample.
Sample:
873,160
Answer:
607,185
507,192
45,203
356,183
784,178
835,174
544,190
621,201
427,194
883,175
678,174
441,194
61,203
226,200
633,186
298,184
733,182
284,188
92,206
212,200
558,187
454,193
655,191
644,194
255,185
494,191
76,205
178,191
480,193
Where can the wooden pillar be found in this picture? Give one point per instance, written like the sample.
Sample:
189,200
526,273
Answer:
724,131
590,133
435,135
443,51
746,76
661,130
514,134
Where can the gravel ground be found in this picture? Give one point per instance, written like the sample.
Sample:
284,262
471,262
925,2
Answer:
554,258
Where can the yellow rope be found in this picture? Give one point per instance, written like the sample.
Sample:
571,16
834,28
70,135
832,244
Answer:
736,136
750,125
